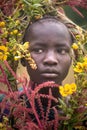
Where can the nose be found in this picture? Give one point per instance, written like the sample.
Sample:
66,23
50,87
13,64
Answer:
50,58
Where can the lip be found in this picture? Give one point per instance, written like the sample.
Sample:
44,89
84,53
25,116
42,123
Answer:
49,75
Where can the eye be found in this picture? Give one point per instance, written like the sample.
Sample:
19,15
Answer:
62,51
38,50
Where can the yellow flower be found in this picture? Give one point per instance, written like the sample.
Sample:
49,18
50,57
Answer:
73,87
78,37
85,59
79,67
26,45
17,58
61,90
11,33
19,34
15,31
75,46
1,125
22,49
79,43
5,119
85,65
17,22
67,89
3,53
2,24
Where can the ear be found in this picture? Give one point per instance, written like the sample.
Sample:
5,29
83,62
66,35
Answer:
23,61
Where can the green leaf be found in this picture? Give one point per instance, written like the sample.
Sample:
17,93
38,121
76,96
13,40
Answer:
37,5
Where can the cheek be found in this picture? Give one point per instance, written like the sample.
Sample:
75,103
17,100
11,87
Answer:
66,59
31,72
38,59
65,69
65,63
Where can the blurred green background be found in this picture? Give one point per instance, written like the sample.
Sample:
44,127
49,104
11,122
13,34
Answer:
81,21
75,17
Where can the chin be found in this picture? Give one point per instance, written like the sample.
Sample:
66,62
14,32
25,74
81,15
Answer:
50,80
46,79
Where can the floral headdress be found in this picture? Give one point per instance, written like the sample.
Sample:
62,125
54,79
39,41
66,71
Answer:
15,15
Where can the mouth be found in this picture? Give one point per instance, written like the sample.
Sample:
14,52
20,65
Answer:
49,75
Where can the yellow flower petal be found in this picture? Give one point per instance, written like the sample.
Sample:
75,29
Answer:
79,67
73,87
25,45
67,89
2,24
85,59
3,53
75,46
1,125
17,58
15,31
62,92
3,48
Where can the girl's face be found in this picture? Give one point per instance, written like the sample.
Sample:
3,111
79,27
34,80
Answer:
50,45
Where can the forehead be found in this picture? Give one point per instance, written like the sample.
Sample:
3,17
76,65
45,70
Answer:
48,30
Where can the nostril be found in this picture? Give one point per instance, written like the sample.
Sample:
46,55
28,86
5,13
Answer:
50,60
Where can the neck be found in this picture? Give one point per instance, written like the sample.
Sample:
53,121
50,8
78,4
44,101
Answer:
45,89
34,84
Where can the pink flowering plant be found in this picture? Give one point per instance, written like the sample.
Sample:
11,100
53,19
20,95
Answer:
18,109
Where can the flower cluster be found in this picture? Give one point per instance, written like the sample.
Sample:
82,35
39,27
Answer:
5,125
23,52
67,89
4,52
81,66
74,96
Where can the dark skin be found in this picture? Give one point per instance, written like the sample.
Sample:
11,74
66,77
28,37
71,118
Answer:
50,44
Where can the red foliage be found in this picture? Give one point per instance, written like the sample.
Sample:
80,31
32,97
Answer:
26,108
73,4
26,112
78,3
7,6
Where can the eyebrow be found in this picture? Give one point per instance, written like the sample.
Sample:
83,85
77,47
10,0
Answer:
62,45
39,44
43,44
